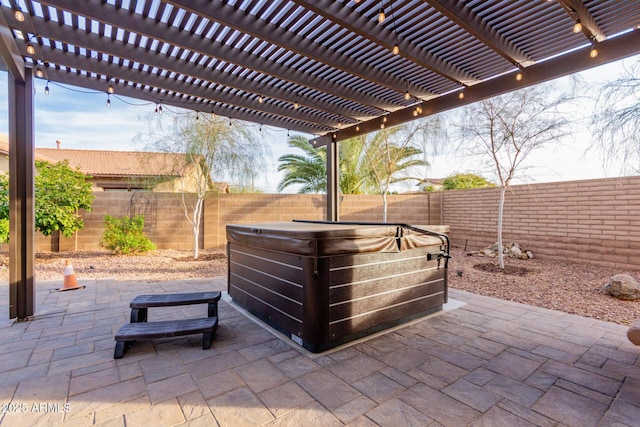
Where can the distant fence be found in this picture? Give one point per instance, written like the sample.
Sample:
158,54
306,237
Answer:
594,221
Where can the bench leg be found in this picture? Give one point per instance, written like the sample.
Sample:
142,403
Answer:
212,310
121,348
138,315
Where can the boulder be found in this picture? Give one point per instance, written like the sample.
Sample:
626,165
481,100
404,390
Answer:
515,250
623,286
634,332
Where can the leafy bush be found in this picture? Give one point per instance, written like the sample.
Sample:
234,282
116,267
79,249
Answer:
125,236
60,193
462,181
4,230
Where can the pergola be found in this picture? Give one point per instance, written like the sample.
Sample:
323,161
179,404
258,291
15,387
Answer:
334,69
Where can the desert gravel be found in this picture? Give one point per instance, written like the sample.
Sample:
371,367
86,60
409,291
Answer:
570,287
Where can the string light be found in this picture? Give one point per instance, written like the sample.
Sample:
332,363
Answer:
197,116
357,128
461,94
577,27
30,49
39,72
110,89
407,95
594,51
260,99
46,88
156,110
381,15
18,15
160,108
519,76
396,49
296,105
108,100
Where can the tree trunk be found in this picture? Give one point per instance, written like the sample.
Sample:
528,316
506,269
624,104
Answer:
503,191
384,207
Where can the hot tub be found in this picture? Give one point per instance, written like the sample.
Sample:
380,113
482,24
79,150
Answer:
326,283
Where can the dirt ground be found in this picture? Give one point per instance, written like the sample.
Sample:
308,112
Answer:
570,287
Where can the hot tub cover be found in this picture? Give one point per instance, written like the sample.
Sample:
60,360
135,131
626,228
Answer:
319,239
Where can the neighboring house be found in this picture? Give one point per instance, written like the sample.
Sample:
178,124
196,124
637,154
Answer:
124,170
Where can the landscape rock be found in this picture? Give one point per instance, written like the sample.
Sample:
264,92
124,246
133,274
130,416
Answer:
512,250
623,286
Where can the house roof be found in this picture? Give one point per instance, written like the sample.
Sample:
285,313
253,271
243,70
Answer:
4,148
325,67
119,163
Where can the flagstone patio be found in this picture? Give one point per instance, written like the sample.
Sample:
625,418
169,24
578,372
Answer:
485,362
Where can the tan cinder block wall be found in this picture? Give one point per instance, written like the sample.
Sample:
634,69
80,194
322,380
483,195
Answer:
165,223
223,209
595,221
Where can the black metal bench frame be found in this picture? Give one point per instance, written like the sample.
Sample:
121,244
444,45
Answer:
140,329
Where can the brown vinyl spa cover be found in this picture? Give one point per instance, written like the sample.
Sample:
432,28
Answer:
325,239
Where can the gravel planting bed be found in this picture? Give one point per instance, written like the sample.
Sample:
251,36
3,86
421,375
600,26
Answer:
570,287
574,288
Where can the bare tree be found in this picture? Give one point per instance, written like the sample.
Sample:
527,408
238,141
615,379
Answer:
506,129
216,148
391,154
616,120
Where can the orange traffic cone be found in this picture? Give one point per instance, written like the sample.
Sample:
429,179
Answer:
70,282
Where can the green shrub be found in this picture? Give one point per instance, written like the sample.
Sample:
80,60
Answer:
4,230
125,236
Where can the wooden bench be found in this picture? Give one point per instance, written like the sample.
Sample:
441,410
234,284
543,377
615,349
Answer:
633,333
131,332
141,303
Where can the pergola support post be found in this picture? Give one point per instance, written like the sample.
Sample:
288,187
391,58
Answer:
333,179
21,198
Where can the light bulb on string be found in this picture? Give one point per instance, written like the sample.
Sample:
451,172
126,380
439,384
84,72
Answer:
461,94
110,89
156,110
594,51
30,49
407,95
260,99
296,105
381,15
108,100
197,116
357,128
577,27
39,72
519,76
46,88
396,49
160,108
18,15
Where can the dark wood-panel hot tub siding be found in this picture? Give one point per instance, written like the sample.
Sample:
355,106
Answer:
324,301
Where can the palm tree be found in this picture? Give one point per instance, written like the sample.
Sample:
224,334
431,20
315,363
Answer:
308,169
368,164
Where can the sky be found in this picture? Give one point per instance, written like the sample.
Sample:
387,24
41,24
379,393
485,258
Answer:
80,119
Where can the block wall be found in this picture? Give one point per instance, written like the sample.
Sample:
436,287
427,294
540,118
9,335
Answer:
586,221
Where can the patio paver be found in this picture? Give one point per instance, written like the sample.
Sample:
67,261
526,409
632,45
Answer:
486,363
